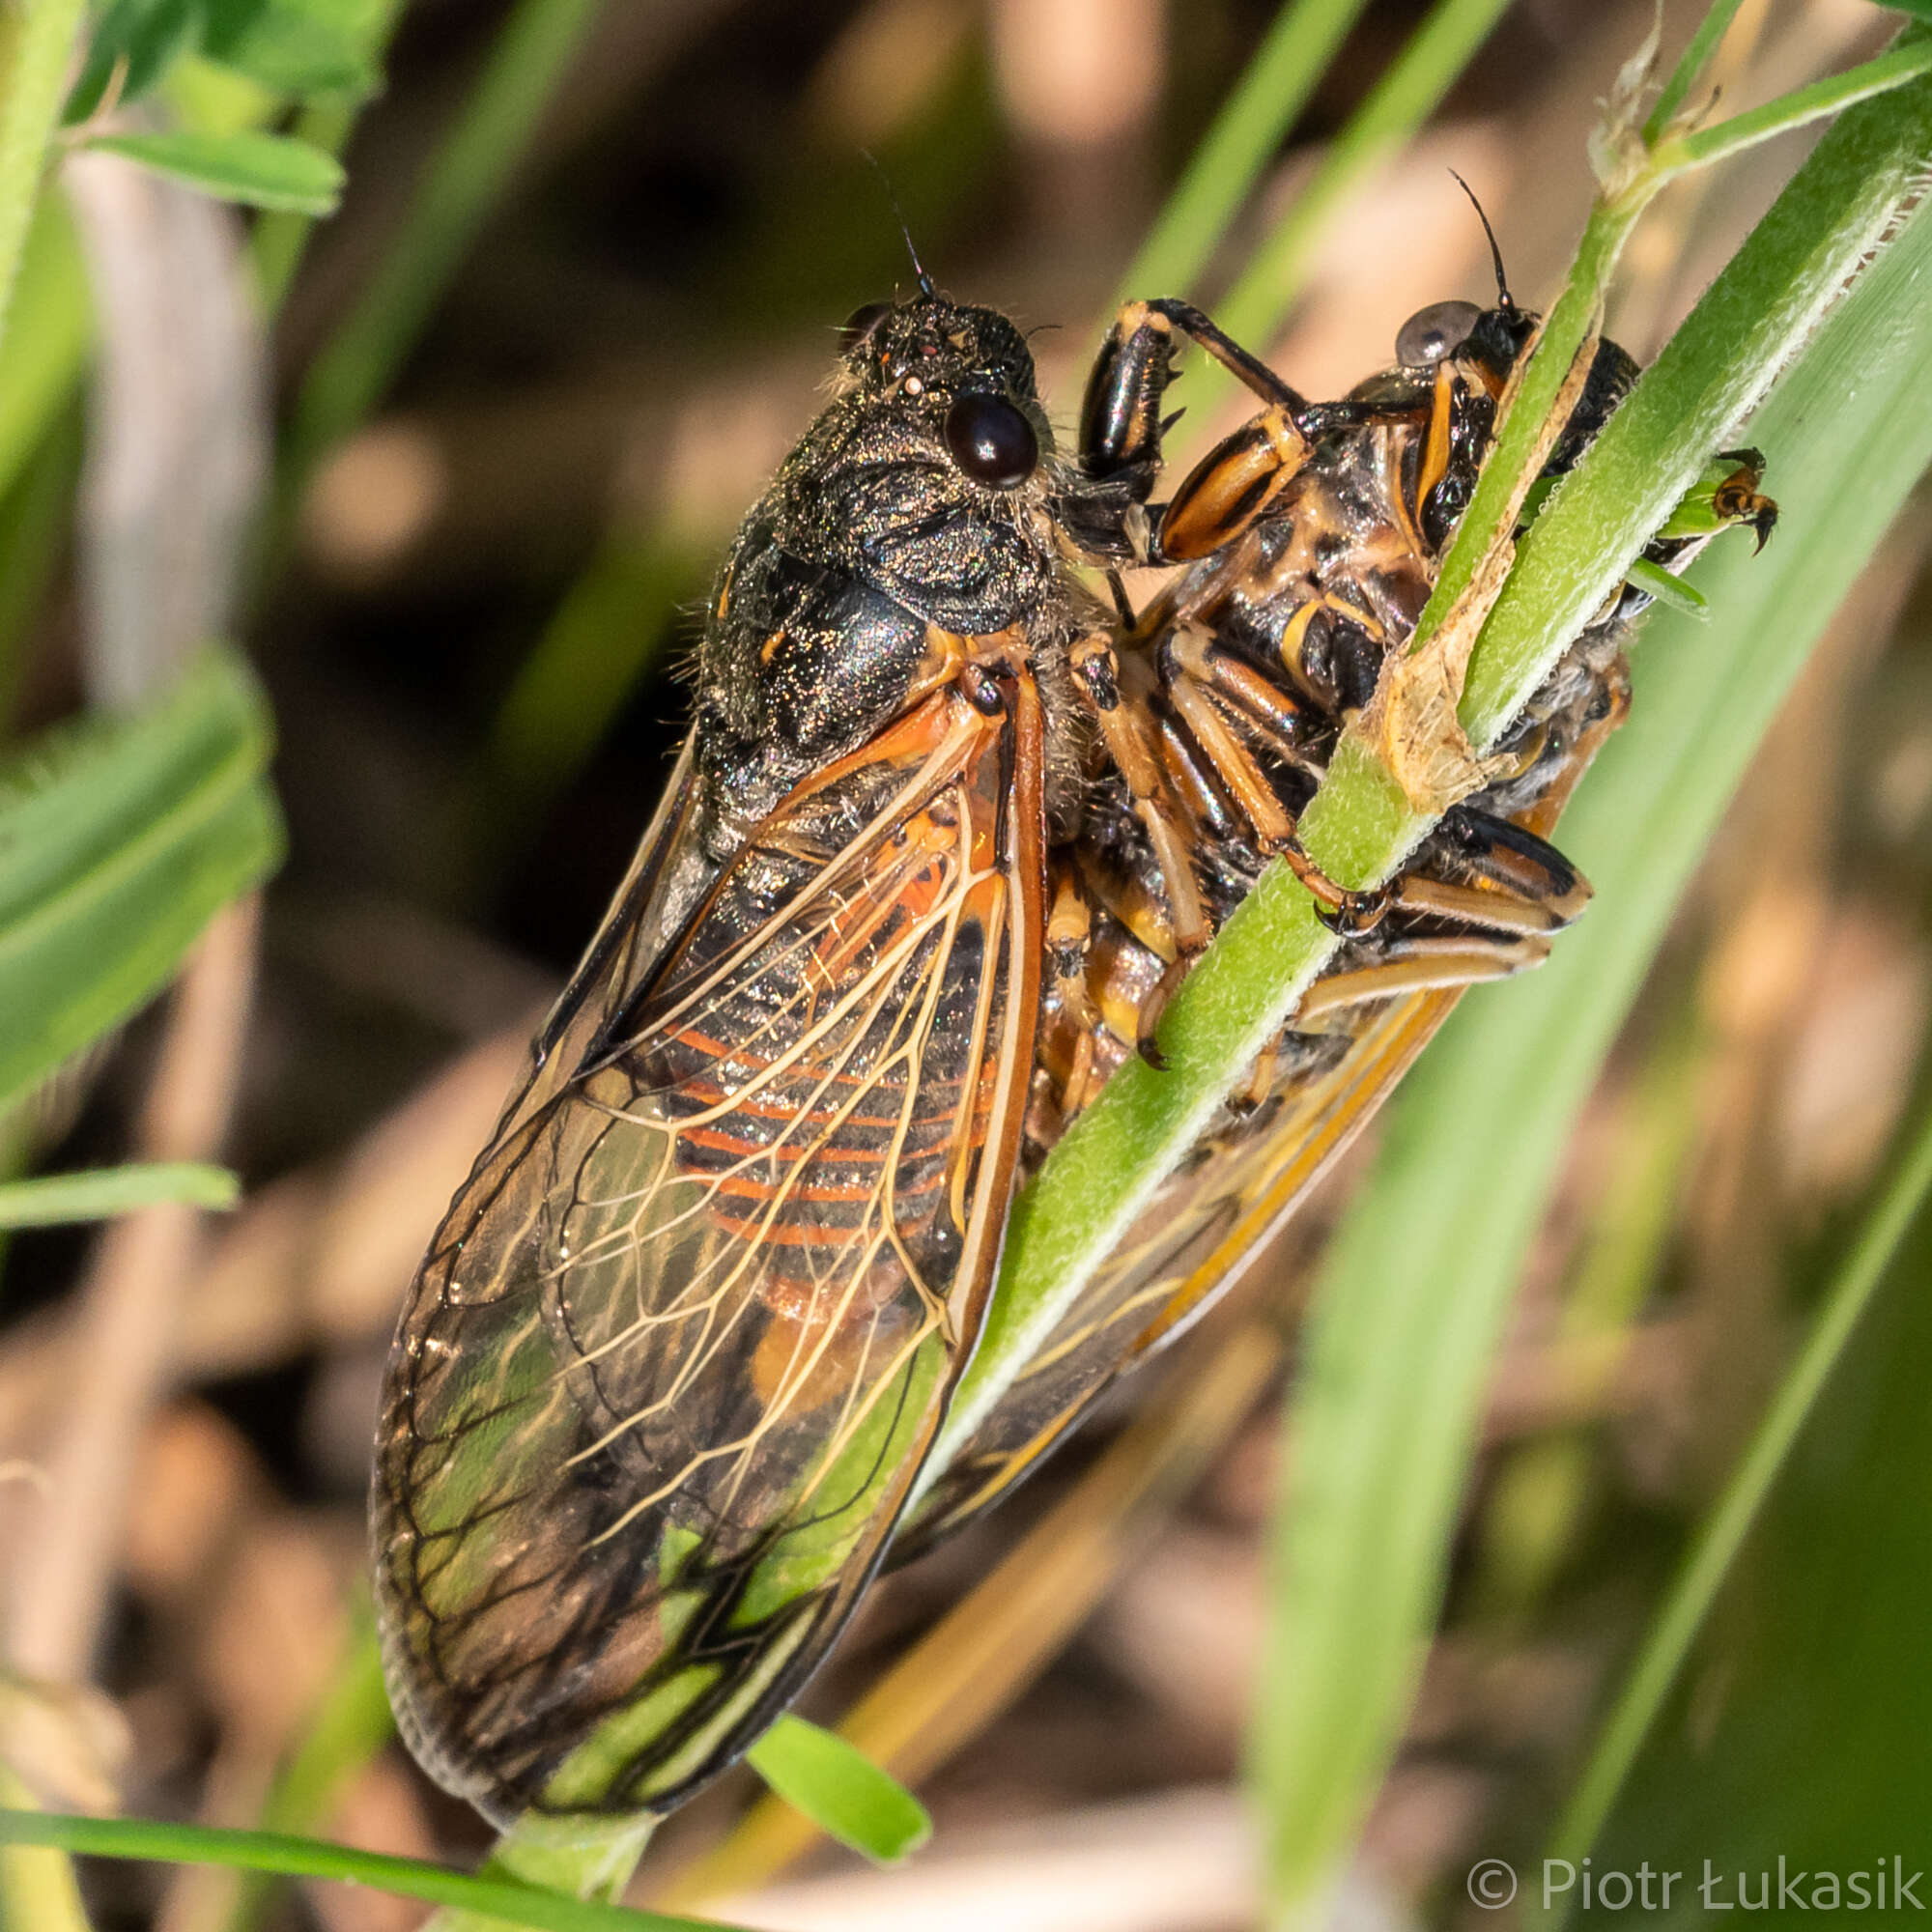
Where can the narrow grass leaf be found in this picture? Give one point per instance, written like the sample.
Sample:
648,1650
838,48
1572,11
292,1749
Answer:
1417,1285
98,1194
38,1887
1408,91
120,839
272,171
841,1790
1241,144
465,178
1695,58
47,336
349,1727
1683,1611
495,1899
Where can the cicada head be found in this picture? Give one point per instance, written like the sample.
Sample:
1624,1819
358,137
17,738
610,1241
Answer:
912,515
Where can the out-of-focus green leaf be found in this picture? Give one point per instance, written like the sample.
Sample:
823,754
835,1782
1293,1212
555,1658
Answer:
300,48
119,841
841,1790
46,337
258,170
99,1194
130,49
1897,1202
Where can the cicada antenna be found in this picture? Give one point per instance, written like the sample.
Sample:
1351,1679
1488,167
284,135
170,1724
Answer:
925,282
1504,299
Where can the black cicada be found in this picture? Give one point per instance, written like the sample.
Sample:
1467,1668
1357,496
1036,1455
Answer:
944,833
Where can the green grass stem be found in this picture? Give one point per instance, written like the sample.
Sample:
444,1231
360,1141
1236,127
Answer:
38,42
1237,148
1683,1611
464,181
497,1901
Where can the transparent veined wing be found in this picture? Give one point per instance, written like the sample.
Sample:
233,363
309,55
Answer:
675,1355
1188,1245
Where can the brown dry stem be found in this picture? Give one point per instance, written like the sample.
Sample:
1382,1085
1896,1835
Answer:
65,1547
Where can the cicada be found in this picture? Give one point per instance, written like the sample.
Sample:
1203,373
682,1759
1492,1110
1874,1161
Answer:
944,833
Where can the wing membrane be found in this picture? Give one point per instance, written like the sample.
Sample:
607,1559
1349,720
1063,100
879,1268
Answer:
1188,1245
679,1348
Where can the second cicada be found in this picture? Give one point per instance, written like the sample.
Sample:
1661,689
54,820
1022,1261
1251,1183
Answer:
945,834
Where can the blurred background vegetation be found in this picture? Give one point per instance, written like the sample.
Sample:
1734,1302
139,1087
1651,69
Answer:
575,302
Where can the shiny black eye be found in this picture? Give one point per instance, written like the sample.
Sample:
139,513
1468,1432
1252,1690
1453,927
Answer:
991,441
1431,333
860,324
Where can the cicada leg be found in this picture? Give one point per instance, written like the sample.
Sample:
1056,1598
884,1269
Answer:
1413,964
1070,928
1515,881
1176,662
1130,734
1738,499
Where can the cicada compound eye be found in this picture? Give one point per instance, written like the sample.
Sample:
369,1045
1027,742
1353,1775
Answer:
991,441
1432,333
861,324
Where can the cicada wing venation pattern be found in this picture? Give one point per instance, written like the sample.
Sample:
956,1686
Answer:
1188,1247
679,1347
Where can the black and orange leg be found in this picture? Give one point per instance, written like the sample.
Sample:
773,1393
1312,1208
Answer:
1345,909
1514,880
1070,928
1123,421
1131,737
1415,964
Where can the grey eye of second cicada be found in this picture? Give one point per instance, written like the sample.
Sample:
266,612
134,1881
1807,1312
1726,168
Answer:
1431,333
860,324
991,441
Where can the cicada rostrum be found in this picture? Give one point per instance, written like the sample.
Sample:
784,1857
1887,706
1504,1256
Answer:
945,832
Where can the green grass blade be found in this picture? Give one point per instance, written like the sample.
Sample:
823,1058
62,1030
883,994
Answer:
98,1194
1684,1610
119,841
38,1888
1418,1282
1697,57
1241,144
47,337
1804,104
1400,101
258,170
841,1790
350,1724
494,1899
352,373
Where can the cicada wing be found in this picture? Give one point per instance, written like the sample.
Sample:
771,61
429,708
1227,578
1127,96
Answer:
1197,1233
677,1351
